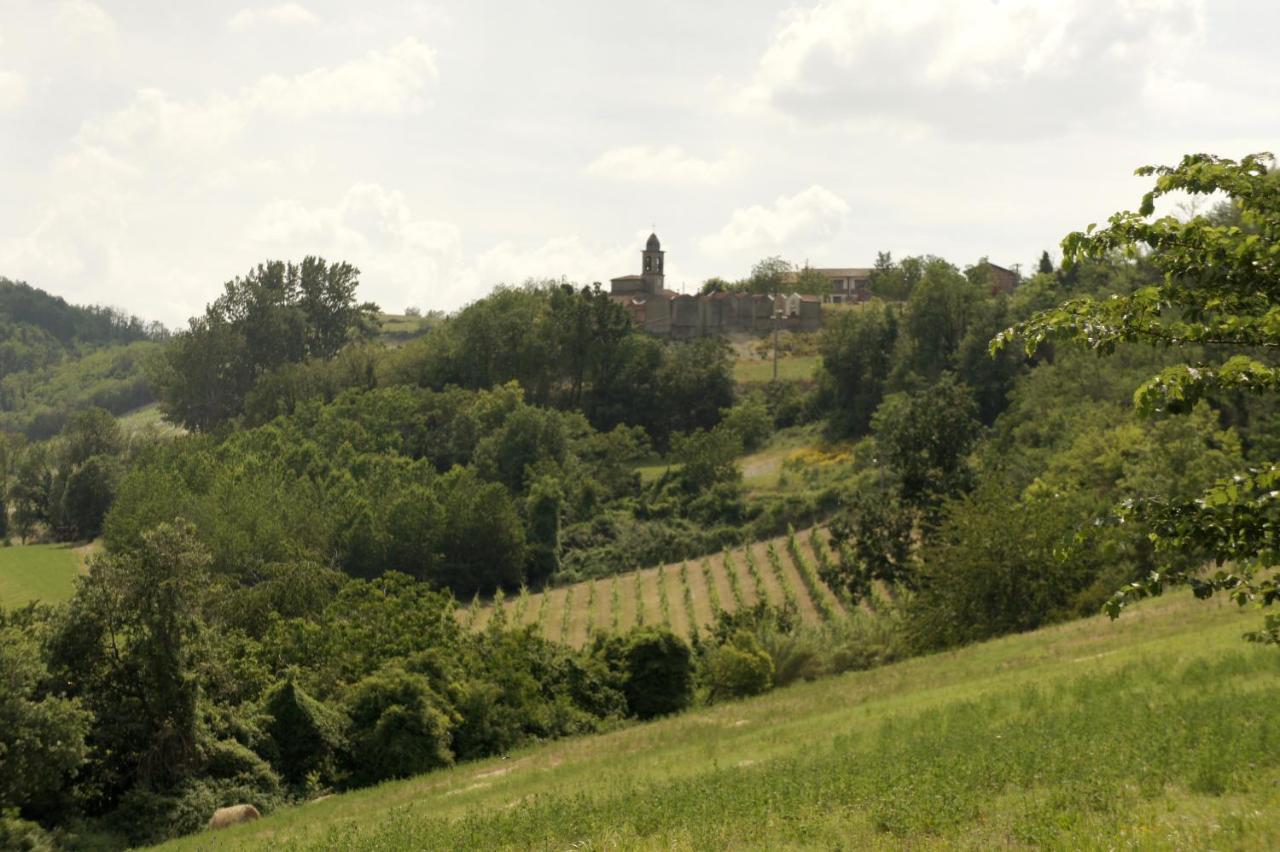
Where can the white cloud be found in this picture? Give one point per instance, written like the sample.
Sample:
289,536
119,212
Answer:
566,257
285,15
386,82
85,22
383,82
13,90
807,217
667,164
975,67
404,259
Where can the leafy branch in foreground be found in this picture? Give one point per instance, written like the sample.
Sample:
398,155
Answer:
1220,288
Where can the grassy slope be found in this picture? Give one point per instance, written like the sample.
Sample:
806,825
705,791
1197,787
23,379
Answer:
1161,730
38,572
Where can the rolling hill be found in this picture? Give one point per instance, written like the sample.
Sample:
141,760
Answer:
1159,730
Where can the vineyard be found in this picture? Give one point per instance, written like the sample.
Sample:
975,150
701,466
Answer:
684,596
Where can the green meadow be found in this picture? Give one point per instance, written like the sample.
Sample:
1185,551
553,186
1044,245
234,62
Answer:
1160,730
37,572
790,368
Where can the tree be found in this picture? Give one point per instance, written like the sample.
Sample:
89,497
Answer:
32,491
41,735
128,646
279,313
87,496
399,726
925,438
857,357
1045,266
811,282
1219,287
938,314
715,284
654,667
769,276
873,539
1000,564
707,458
304,736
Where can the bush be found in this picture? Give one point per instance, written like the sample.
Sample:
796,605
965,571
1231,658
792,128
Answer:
18,835
738,668
654,667
750,420
399,727
304,736
1001,565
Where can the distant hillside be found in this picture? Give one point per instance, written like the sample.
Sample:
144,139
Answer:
56,358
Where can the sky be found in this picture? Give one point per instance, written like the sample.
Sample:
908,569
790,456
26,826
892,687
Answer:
151,151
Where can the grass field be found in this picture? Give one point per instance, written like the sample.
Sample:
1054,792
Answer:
1158,731
681,595
754,371
147,417
38,572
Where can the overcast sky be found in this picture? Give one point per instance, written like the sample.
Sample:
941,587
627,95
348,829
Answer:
151,150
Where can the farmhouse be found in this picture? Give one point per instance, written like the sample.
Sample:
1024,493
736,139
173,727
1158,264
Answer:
670,314
848,284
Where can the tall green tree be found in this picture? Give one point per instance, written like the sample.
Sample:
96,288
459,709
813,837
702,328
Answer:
1219,287
42,735
278,313
857,358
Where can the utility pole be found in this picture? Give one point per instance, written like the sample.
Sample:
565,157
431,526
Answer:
777,314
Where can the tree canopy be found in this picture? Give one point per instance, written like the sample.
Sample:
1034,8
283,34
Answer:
1219,288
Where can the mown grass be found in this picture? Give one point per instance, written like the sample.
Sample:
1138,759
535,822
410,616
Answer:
38,572
1161,730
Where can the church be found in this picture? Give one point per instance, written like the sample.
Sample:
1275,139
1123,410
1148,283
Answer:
677,315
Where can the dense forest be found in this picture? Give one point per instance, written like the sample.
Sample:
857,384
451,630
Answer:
57,358
273,615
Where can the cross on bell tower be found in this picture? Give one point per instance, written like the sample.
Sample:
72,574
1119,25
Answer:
652,265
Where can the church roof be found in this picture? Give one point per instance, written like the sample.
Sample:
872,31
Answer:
653,244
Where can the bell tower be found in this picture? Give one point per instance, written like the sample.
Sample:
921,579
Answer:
652,265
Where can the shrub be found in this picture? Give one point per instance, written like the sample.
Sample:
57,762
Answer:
304,737
654,667
738,668
399,727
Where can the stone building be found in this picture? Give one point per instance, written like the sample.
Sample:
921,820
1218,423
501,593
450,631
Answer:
670,314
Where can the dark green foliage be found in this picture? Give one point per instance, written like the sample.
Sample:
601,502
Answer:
483,538
708,458
399,727
857,350
872,540
87,496
127,647
1045,266
750,420
304,736
999,565
278,314
42,735
925,438
654,667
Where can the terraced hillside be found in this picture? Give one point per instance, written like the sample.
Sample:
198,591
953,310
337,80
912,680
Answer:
683,596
